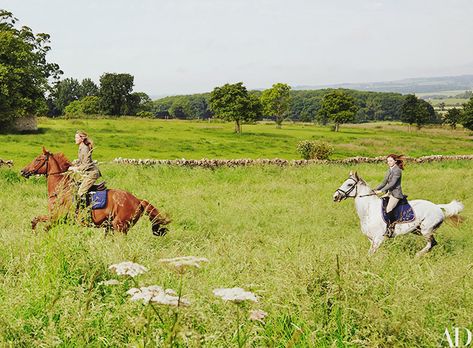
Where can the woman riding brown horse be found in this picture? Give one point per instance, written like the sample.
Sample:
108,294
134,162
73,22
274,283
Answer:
122,209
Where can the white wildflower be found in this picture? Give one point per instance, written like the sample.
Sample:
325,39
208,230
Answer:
180,264
145,293
110,282
157,294
258,315
128,268
236,295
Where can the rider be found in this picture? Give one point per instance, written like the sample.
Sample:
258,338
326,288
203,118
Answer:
391,185
85,166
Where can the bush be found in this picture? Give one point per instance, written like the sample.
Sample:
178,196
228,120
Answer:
310,149
145,114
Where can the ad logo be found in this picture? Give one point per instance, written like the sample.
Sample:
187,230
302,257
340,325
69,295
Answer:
461,337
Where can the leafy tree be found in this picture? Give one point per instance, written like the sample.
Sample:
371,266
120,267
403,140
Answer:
425,114
88,88
467,118
232,102
180,108
65,92
24,70
442,106
115,93
89,105
452,117
409,109
417,111
339,107
276,102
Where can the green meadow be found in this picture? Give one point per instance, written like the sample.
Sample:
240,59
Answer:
272,231
170,139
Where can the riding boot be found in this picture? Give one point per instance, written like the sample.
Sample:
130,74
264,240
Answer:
390,224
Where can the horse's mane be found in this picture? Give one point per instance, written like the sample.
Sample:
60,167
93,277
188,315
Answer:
62,161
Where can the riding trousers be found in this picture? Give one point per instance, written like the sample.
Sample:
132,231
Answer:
391,203
88,179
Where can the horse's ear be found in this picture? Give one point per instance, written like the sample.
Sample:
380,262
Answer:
45,151
356,176
351,173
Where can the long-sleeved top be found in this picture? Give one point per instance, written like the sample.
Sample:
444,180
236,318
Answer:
392,182
85,162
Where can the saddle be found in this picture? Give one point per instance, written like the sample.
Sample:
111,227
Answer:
98,187
403,211
97,196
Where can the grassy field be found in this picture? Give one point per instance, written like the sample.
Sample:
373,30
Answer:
161,139
273,231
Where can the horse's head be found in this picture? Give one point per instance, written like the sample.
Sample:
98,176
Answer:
38,166
348,188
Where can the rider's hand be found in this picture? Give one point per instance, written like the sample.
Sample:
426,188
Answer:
378,192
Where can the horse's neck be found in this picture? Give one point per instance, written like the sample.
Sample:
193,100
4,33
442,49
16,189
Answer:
57,182
365,200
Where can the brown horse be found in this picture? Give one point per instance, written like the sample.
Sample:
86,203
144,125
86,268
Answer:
121,212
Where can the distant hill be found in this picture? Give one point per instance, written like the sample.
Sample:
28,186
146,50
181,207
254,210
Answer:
412,85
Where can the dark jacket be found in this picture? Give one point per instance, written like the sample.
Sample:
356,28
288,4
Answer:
392,182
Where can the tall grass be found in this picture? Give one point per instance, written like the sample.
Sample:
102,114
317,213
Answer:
274,231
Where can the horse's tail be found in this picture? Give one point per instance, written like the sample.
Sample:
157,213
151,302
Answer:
452,208
157,219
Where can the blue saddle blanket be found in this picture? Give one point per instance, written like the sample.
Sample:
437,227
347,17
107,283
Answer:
98,199
403,211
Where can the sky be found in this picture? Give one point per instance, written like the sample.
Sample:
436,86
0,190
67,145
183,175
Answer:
191,46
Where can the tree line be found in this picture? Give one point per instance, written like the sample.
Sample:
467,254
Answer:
30,85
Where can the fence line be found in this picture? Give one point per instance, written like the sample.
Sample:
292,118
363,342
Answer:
213,163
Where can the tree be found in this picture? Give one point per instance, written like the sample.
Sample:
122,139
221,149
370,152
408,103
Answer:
339,107
24,70
276,101
467,117
442,106
417,111
409,109
88,88
425,114
232,102
452,117
89,105
115,93
65,92
180,108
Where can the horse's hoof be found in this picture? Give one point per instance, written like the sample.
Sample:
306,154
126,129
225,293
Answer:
160,232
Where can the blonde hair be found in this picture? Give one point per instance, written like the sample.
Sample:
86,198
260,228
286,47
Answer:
85,138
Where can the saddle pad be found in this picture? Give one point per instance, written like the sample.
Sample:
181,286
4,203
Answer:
403,212
98,199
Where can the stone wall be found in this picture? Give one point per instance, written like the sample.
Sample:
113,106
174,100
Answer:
213,163
25,124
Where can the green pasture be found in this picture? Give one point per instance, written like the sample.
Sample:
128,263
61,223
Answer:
273,231
170,139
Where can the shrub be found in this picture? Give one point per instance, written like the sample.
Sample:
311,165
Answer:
310,149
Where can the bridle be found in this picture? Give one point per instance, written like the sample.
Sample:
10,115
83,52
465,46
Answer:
347,192
354,187
45,163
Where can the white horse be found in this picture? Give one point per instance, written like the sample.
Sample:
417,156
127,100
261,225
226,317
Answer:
428,216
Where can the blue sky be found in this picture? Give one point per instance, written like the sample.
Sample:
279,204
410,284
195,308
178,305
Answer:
191,46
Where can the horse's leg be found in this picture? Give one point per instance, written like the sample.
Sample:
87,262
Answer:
431,242
38,219
120,225
375,244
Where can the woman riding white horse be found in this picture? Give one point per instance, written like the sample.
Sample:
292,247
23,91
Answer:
428,216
